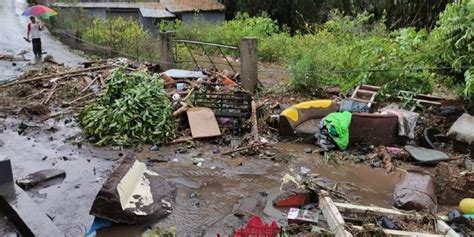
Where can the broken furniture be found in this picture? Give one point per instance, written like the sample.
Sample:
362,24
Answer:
334,212
27,217
374,129
462,134
303,119
367,94
133,195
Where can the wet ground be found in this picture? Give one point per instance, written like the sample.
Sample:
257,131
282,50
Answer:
68,201
207,194
13,29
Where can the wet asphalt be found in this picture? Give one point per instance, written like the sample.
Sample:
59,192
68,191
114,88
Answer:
12,30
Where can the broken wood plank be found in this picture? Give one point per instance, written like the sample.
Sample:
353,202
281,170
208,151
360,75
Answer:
444,228
68,73
402,233
203,123
254,122
90,84
53,90
332,215
78,99
184,107
376,210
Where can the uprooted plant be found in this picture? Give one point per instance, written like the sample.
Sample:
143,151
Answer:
133,110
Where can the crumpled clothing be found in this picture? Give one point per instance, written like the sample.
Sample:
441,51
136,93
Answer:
337,124
324,141
406,121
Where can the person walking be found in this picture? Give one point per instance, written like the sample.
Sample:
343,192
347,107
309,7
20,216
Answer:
34,28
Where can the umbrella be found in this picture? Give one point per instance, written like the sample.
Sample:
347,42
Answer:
39,10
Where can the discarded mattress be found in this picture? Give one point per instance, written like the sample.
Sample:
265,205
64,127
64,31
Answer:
426,155
302,119
133,195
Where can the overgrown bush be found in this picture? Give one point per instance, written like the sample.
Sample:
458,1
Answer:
452,44
124,36
273,41
133,110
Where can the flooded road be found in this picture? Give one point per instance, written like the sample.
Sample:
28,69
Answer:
68,201
12,31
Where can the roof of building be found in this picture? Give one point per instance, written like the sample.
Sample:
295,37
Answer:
177,6
155,13
173,6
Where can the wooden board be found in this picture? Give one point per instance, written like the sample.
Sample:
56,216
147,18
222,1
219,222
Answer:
203,123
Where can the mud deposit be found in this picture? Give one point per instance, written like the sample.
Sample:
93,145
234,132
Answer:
209,195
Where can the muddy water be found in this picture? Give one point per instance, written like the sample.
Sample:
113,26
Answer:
68,201
207,195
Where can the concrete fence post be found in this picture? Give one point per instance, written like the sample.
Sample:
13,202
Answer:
249,63
166,50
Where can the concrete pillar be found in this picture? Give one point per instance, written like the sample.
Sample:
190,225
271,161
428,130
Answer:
166,50
249,63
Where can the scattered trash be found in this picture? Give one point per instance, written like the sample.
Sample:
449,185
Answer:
415,192
354,106
424,155
388,223
462,132
36,178
155,147
301,216
203,123
132,195
467,206
256,227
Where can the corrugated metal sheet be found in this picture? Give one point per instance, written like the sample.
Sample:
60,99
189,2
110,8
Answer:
130,5
177,6
155,13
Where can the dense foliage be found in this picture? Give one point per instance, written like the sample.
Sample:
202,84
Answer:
398,13
124,36
348,51
134,109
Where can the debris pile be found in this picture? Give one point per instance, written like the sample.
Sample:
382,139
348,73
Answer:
133,109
